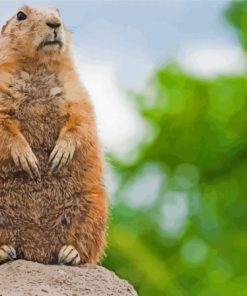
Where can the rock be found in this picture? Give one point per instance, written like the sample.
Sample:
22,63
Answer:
24,278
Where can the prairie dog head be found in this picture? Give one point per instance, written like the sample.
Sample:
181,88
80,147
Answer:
33,31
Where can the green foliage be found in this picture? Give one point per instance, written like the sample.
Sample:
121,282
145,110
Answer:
236,14
186,235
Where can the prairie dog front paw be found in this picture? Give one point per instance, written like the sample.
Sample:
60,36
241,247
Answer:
25,159
62,153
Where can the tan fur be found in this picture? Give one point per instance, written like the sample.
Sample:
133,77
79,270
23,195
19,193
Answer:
43,105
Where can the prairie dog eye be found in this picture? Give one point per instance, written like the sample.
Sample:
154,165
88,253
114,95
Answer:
21,16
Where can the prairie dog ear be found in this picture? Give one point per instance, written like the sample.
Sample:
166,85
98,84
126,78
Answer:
56,9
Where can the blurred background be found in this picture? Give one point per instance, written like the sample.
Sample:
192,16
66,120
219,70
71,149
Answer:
168,81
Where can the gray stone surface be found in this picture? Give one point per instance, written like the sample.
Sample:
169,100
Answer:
24,278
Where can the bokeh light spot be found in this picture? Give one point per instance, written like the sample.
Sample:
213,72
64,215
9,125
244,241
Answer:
194,251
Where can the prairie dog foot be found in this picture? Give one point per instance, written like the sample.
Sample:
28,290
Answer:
68,255
7,253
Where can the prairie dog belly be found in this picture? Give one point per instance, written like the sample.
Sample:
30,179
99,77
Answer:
39,110
37,212
40,122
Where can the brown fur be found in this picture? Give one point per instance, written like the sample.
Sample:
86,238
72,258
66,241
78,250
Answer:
43,102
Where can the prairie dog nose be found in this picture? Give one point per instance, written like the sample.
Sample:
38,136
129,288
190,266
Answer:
53,22
53,25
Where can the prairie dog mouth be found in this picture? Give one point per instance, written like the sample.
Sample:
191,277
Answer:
51,44
47,43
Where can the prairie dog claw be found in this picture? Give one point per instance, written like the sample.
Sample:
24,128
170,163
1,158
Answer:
61,154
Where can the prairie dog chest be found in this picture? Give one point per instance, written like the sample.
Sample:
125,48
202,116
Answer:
39,107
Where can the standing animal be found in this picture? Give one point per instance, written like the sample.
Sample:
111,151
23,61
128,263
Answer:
53,204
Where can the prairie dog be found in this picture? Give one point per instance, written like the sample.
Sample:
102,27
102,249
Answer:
53,204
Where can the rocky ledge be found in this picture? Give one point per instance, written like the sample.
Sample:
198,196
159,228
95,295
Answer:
24,278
